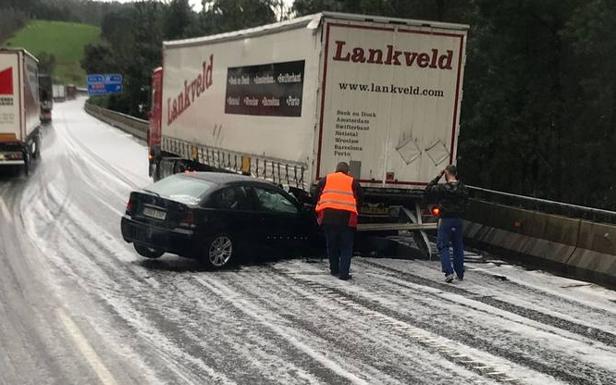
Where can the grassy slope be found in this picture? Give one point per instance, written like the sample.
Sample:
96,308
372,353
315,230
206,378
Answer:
64,40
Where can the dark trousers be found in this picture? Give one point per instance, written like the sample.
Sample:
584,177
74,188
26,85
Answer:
450,232
339,248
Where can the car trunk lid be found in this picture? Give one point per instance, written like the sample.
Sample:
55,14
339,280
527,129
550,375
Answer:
161,211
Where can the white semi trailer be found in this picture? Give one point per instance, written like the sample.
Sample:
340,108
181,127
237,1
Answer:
20,109
59,92
288,101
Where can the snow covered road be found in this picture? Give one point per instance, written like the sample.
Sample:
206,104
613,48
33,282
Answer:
79,306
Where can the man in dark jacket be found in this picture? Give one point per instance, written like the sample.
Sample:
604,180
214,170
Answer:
337,199
452,197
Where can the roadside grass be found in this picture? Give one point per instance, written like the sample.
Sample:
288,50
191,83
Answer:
64,40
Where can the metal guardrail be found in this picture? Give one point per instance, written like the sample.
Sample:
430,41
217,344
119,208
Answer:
543,205
129,124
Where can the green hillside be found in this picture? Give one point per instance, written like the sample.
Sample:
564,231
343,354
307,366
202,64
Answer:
63,40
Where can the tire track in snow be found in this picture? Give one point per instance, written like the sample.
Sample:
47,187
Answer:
527,353
268,320
585,310
85,152
583,330
68,232
108,281
346,329
113,286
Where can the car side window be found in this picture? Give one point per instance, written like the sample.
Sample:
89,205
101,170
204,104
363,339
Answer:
231,198
273,201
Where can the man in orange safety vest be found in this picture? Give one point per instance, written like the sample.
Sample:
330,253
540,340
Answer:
338,198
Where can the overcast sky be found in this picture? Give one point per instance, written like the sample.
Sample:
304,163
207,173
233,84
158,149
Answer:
195,3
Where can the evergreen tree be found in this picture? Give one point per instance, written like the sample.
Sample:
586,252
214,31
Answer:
178,19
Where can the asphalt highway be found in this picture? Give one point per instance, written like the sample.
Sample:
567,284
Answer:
79,306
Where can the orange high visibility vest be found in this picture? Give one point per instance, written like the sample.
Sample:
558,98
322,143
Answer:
337,193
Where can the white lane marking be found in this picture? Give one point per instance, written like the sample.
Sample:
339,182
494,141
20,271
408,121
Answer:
6,214
86,349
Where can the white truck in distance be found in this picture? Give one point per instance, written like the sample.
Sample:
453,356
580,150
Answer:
20,110
288,101
59,92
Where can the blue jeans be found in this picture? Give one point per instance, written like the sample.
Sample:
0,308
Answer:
339,248
450,231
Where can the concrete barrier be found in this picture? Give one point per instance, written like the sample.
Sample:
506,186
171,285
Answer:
129,124
596,250
580,248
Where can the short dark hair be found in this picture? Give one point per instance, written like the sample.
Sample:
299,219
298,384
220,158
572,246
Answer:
343,167
452,170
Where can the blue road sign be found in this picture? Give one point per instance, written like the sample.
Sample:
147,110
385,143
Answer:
104,84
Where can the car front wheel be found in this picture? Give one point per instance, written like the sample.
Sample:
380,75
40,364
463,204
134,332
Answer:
220,251
148,252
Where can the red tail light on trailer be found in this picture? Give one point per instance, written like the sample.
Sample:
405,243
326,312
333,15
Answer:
436,211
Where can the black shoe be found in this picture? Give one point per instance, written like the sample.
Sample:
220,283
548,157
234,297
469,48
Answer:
346,277
460,277
334,273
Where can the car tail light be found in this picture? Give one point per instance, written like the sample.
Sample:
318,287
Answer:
436,211
130,206
188,220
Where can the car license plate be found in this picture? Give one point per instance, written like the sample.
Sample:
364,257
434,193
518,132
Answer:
153,213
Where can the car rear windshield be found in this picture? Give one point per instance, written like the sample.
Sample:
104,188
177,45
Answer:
181,188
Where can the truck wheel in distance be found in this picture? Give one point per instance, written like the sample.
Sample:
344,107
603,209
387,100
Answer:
219,252
27,162
148,252
156,171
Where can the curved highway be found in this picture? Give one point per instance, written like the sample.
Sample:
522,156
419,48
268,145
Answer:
79,306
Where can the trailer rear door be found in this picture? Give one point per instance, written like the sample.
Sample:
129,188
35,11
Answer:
391,100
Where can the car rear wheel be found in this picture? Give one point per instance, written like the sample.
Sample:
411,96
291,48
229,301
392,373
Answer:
148,252
220,251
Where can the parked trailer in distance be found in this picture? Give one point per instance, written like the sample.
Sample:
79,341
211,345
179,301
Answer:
19,108
59,92
46,97
288,101
71,91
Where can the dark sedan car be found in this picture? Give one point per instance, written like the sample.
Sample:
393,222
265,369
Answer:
217,218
